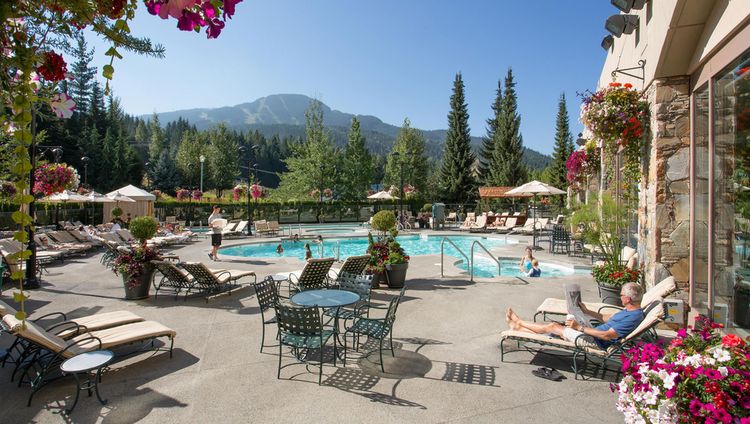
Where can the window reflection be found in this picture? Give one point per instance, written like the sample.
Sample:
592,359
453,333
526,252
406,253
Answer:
699,288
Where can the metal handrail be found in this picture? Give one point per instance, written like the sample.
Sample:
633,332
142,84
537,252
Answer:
442,244
476,242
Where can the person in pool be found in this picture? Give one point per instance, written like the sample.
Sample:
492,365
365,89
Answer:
534,271
308,252
295,238
525,264
279,249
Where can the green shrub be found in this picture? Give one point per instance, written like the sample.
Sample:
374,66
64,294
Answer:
427,207
383,221
143,228
117,211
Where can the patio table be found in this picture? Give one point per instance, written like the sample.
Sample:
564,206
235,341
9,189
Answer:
327,298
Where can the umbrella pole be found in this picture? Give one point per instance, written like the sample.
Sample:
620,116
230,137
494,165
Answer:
533,230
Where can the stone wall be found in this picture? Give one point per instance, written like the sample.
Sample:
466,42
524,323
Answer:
664,204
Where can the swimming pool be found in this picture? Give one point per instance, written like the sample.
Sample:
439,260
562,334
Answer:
419,244
484,267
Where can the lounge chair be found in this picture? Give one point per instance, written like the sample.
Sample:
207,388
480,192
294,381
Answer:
582,349
261,228
273,227
510,224
480,225
46,350
46,244
558,307
530,225
466,226
238,229
217,283
315,275
353,265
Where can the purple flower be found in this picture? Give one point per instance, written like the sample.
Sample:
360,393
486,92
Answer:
696,407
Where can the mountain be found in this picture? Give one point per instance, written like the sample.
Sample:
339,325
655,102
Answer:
284,114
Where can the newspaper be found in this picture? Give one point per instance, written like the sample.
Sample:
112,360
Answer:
573,298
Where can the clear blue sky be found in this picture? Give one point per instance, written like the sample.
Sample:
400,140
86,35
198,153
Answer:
391,59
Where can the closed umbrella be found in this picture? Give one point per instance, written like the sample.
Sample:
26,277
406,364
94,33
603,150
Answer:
535,188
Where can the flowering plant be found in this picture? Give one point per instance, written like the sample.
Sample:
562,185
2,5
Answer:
197,194
699,377
131,263
615,274
182,194
328,193
7,189
238,192
51,178
315,193
386,251
582,164
157,193
617,115
256,190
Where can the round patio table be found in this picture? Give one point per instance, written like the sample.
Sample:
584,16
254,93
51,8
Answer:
325,298
84,363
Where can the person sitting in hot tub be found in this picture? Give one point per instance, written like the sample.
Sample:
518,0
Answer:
534,271
525,264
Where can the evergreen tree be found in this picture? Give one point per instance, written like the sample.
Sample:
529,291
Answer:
563,147
223,166
410,146
83,73
312,163
487,150
357,172
507,166
458,159
157,145
97,111
166,177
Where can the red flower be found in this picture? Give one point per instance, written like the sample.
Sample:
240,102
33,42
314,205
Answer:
628,85
732,340
53,68
615,84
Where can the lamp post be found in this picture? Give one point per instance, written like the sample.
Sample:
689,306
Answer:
85,161
250,152
202,159
399,162
32,282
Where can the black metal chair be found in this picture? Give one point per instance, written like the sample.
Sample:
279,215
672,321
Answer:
302,328
172,278
360,284
268,297
560,240
376,328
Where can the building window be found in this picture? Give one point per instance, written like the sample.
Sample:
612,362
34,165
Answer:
730,117
699,284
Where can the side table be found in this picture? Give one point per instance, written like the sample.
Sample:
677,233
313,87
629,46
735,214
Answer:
84,363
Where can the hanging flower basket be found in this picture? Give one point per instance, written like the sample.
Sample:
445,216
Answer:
51,178
582,164
617,116
256,190
239,191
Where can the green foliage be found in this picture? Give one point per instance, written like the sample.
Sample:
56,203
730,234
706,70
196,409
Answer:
143,228
223,165
427,207
156,144
192,146
615,275
117,211
165,176
487,150
507,168
357,167
384,221
456,173
556,172
410,146
602,222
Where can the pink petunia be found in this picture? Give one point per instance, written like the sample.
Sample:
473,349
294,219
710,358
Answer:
63,105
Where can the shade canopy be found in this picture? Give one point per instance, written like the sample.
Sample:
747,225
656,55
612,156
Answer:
65,196
95,197
116,196
134,193
536,188
382,195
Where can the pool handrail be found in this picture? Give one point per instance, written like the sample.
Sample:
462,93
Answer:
471,270
442,244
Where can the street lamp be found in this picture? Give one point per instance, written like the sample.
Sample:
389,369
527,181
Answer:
202,159
250,166
85,161
31,280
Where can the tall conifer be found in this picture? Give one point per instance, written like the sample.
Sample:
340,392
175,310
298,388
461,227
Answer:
507,167
563,147
487,150
357,172
458,159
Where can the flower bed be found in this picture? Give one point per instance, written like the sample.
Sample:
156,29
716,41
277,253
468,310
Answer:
699,377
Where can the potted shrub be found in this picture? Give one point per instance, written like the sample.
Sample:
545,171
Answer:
117,212
387,258
134,263
601,222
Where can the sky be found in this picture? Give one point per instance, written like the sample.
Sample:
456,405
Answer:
391,59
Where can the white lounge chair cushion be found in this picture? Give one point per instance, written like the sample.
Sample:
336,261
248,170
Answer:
104,320
125,334
39,336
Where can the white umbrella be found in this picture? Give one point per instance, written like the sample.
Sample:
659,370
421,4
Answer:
382,195
65,196
117,197
95,197
535,188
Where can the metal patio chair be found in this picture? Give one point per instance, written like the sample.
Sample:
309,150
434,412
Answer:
302,329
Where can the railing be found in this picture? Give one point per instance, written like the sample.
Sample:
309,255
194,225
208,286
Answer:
442,244
471,271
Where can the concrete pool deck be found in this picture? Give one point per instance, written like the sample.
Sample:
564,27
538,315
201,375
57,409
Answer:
447,366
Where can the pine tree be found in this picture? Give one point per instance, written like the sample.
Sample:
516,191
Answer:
458,159
357,166
83,75
563,147
156,145
166,176
507,165
410,146
96,107
487,150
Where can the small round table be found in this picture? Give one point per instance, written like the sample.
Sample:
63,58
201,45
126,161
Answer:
325,298
84,363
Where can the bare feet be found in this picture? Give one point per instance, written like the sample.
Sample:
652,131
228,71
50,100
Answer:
511,318
512,315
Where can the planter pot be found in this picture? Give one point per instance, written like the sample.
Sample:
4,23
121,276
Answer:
609,295
396,275
140,290
741,309
377,278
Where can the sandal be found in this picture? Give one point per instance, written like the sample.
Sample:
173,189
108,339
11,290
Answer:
548,373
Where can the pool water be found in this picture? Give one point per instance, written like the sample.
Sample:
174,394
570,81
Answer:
484,267
420,244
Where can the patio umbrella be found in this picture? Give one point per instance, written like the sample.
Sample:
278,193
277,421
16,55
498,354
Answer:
535,188
382,195
95,197
64,196
117,197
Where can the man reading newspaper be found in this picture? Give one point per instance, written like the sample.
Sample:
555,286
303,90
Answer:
613,328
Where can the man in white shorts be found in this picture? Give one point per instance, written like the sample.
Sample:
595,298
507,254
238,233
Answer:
613,328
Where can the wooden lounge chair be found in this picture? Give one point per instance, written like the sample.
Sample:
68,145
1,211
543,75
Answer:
584,350
217,283
558,307
47,350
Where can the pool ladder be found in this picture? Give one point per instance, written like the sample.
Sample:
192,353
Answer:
336,250
469,260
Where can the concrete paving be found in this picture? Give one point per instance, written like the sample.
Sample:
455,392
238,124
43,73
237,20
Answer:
447,366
